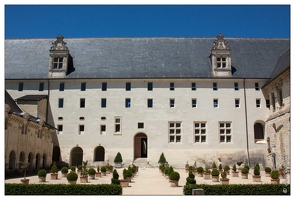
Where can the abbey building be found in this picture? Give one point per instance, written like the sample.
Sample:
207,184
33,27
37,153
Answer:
199,100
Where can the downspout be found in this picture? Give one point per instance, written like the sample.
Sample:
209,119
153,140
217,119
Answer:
246,121
47,104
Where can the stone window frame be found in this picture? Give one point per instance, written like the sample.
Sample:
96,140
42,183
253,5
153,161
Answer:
194,102
200,132
57,62
174,131
225,131
118,125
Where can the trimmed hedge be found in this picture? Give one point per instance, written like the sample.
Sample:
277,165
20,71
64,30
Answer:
239,189
62,189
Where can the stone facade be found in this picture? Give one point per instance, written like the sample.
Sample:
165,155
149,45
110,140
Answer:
27,139
221,116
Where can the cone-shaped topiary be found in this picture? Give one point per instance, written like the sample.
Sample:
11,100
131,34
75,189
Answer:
234,168
118,158
53,168
162,159
214,165
115,179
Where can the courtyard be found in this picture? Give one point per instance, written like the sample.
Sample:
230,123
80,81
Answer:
149,181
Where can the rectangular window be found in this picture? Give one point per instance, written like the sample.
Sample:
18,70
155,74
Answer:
117,125
140,125
61,103
104,86
20,86
41,86
103,103
174,132
57,63
280,95
256,86
194,87
61,86
236,85
215,86
82,103
81,129
237,103
225,132
128,86
150,86
194,103
258,103
172,103
150,103
215,103
200,132
273,101
221,62
103,129
171,86
127,103
267,102
83,86
60,128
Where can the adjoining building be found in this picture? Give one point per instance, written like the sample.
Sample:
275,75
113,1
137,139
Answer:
195,99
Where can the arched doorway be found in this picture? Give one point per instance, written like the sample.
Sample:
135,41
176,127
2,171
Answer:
140,145
56,154
21,159
12,158
76,156
99,153
37,164
44,161
258,132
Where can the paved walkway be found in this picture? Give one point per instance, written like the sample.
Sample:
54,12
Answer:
148,181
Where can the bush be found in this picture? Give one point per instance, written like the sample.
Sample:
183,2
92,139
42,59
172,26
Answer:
126,173
162,159
267,169
257,166
246,166
215,172
54,168
191,168
63,189
223,174
256,171
118,158
110,168
245,170
200,169
239,163
72,176
65,170
170,170
115,179
42,173
80,167
91,171
73,168
226,168
239,189
275,174
234,168
103,169
174,176
190,179
214,165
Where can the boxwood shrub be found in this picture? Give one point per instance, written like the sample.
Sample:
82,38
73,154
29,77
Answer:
62,189
239,189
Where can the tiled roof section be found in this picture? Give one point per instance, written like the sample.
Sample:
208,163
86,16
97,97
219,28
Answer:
143,57
12,104
32,97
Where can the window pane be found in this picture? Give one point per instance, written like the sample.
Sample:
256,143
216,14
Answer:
171,124
171,131
60,66
127,103
104,86
128,86
203,131
118,127
197,138
178,138
150,86
197,131
228,131
171,86
227,125
228,138
83,86
117,120
222,139
203,138
197,125
171,138
61,86
103,103
41,86
150,103
178,124
103,128
193,86
178,131
221,125
221,131
203,125
81,127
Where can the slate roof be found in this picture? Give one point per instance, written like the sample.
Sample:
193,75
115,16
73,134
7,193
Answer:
12,104
32,97
143,57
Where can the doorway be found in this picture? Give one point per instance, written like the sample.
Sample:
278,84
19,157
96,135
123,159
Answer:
140,145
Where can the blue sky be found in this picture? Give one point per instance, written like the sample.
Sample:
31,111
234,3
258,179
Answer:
77,21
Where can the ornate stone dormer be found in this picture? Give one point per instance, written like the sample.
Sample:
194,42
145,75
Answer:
220,58
59,55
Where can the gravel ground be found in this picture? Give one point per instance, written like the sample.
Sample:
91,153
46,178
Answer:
148,181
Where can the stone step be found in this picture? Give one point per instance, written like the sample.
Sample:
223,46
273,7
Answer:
142,163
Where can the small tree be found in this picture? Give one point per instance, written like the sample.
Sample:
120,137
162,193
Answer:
42,173
115,179
84,168
174,176
118,158
257,170
24,166
223,175
215,172
239,163
162,159
214,165
190,179
54,168
267,169
245,170
220,166
97,169
234,168
275,174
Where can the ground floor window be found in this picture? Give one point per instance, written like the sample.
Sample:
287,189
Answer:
174,132
200,132
225,131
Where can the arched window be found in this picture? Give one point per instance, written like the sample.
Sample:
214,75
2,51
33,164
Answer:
258,132
12,160
76,156
99,153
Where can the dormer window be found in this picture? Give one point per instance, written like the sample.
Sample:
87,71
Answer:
221,62
57,63
220,58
